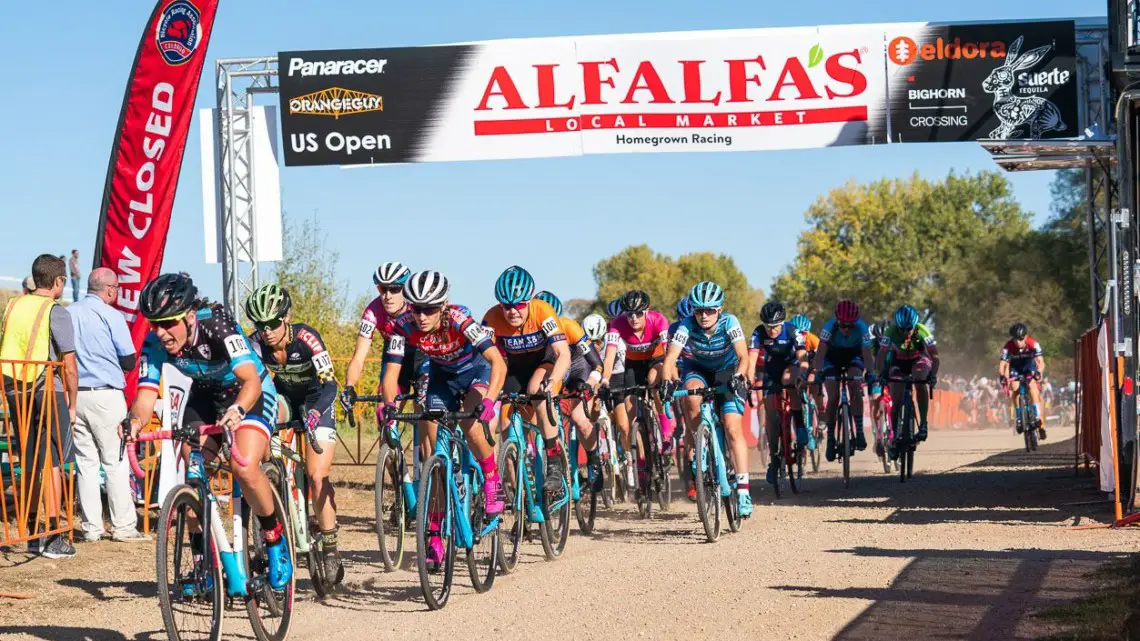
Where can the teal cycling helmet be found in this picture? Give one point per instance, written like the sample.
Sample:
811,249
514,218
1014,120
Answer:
552,299
801,322
706,294
514,286
684,308
906,317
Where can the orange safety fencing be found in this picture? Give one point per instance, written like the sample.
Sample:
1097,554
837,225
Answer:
946,411
1090,397
31,437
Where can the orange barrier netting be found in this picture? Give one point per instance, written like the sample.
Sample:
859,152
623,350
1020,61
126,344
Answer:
1090,396
23,495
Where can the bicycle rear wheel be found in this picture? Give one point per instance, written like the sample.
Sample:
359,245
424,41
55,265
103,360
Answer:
641,492
435,499
270,610
189,588
906,445
388,497
512,524
659,479
790,454
708,489
482,558
586,507
882,432
556,527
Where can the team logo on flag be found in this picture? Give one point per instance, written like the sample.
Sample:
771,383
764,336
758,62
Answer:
179,31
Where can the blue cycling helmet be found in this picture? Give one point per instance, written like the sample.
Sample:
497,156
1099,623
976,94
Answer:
684,308
906,317
706,294
552,299
514,286
613,309
802,323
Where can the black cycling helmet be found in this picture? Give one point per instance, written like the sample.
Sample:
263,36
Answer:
773,313
635,300
1018,331
168,296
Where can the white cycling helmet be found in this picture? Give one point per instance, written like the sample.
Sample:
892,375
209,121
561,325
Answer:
393,273
426,288
594,326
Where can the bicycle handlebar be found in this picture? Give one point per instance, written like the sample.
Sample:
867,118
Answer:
310,434
515,398
182,434
910,379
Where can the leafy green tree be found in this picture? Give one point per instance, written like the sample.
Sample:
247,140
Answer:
893,240
666,279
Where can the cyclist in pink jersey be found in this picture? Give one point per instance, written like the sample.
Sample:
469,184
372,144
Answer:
645,333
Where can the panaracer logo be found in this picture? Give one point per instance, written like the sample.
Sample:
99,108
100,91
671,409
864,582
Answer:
904,50
337,67
335,102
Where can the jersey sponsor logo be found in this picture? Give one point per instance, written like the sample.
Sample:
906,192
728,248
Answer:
323,362
236,346
366,328
310,339
524,343
204,350
363,66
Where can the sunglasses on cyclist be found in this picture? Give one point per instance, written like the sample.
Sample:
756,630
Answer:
705,311
268,325
392,289
773,326
846,325
518,307
426,310
638,314
167,323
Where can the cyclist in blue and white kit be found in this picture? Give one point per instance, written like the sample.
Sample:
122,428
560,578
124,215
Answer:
844,344
718,357
784,364
231,389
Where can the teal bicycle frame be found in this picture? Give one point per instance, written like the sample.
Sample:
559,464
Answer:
711,418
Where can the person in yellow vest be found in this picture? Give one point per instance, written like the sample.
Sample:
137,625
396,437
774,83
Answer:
35,328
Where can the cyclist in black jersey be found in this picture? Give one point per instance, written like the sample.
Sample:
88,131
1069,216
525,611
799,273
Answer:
231,389
303,373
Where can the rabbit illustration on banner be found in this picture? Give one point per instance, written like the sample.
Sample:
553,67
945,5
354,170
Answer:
1017,113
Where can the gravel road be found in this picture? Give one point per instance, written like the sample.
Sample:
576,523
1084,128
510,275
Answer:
979,541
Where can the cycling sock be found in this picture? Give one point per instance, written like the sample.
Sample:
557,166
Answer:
329,538
1019,412
742,482
1036,411
552,446
798,419
488,466
435,520
831,429
859,423
666,426
592,457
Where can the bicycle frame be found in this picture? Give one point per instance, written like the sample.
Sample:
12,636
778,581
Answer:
531,475
447,439
710,418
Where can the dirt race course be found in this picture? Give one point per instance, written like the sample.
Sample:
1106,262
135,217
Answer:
977,543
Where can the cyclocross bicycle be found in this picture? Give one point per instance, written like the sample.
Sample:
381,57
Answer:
1025,416
205,567
522,466
884,433
789,452
451,498
581,491
712,470
845,424
653,482
905,440
287,457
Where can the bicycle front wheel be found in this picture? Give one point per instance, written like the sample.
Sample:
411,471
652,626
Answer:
556,506
391,509
845,444
708,488
189,577
270,610
512,526
434,511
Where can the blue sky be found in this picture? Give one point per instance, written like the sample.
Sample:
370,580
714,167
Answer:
65,71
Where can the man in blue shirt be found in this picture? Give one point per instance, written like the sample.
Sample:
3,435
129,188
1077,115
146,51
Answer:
104,351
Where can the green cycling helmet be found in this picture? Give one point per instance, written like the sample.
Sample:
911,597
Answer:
268,302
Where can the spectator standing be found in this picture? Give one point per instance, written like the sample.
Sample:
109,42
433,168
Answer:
73,268
104,351
29,285
35,328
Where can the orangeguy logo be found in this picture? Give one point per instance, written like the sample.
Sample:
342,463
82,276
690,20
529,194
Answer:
335,102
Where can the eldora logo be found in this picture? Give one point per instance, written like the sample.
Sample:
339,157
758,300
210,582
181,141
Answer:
335,102
786,83
903,50
178,32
